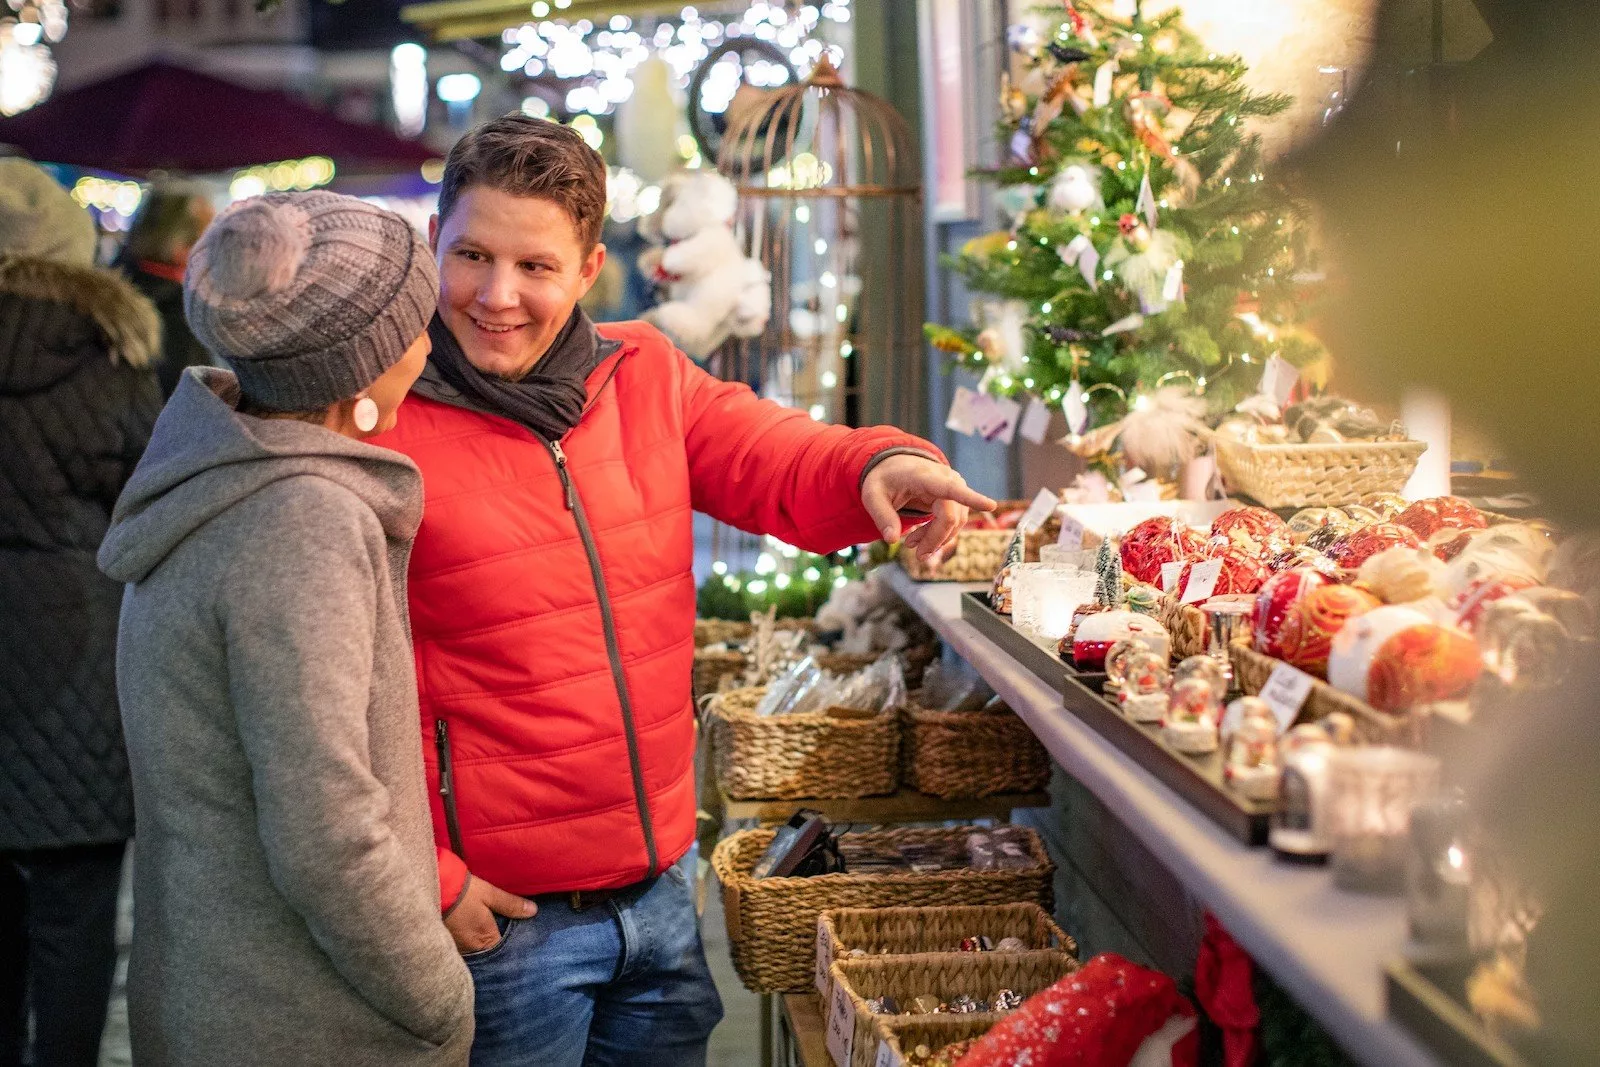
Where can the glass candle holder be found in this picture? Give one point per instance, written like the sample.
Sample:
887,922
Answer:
1059,596
1371,793
1440,873
1026,587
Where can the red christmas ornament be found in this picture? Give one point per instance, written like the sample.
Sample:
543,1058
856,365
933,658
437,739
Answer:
1128,223
1427,517
1358,546
1308,632
1156,541
1422,664
1243,571
1258,524
1475,599
1276,601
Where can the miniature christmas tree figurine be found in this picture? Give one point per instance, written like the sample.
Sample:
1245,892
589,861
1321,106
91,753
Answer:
1151,251
1108,566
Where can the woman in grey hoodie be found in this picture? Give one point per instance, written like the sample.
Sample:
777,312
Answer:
286,903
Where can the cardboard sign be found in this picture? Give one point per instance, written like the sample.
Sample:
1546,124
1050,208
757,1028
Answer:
1202,581
1035,421
1043,506
824,959
841,1027
1285,693
1278,381
887,1057
1170,573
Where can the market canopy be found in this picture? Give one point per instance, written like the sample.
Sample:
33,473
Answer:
162,116
454,20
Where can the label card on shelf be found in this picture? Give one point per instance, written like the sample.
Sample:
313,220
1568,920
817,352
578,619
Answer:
1278,381
824,958
841,1026
886,1057
1043,506
1170,573
1035,421
1202,581
1285,693
1072,532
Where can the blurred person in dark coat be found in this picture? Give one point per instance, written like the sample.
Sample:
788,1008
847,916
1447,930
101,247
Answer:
1465,233
78,399
170,220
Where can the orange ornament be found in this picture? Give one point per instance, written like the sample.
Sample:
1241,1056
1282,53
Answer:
1422,664
1309,630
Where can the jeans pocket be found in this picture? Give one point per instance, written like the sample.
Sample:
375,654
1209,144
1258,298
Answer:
506,926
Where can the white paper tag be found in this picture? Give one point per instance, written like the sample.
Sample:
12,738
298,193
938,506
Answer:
841,1026
1285,693
1081,253
961,418
1043,506
1102,83
824,958
1172,287
995,418
1146,204
1076,407
1072,532
1202,581
1170,573
887,1057
1035,421
1124,324
1278,380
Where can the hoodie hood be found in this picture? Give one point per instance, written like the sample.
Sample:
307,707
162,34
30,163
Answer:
204,457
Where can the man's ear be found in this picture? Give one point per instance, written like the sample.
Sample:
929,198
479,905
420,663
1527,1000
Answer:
433,233
591,269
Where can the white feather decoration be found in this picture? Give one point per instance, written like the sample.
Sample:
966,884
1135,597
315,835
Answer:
1162,432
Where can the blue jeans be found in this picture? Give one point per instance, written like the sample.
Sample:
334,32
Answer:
617,984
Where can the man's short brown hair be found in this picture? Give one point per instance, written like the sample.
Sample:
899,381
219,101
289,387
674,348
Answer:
525,156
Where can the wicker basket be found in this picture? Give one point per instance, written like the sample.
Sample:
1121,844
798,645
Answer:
976,974
971,754
903,1033
715,669
915,931
772,922
1322,475
1185,624
809,756
976,555
1251,669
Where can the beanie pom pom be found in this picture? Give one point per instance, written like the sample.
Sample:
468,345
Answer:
257,248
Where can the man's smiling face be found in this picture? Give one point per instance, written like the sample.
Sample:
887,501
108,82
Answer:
511,269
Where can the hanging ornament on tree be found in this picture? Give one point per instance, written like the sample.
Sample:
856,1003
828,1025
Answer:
1076,189
1002,338
1143,258
1146,113
1081,253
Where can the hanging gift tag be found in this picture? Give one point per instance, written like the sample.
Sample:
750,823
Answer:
1170,573
1146,204
886,1057
1102,83
1076,407
961,418
1035,421
841,1026
1278,381
1072,532
1202,581
1043,506
1022,145
1123,325
1285,693
995,418
1081,253
824,958
1172,288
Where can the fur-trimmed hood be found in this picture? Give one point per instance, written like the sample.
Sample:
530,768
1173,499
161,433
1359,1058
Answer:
49,307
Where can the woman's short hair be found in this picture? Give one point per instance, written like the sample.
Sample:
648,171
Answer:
167,223
525,156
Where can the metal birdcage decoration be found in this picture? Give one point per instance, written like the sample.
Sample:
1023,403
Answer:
830,201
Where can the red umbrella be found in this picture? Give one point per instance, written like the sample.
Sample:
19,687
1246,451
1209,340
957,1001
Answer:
166,117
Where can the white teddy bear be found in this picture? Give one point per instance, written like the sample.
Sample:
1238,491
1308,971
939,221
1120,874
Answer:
713,289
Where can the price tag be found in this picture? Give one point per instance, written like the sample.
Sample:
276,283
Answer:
1279,380
1202,581
824,958
1076,407
995,418
1285,693
1170,573
1043,506
962,419
887,1057
1146,204
1102,83
1072,532
841,1027
1035,421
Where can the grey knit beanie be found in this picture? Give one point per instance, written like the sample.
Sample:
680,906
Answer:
308,297
39,219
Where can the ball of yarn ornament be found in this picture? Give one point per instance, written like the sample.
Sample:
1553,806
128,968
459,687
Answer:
1258,524
1428,517
1309,631
1400,575
1423,664
1358,546
1276,601
1156,541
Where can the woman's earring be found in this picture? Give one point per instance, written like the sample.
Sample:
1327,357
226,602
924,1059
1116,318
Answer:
366,414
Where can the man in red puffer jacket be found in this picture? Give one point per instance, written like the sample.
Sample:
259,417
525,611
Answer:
552,603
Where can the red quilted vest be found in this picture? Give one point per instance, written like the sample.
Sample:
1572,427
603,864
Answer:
553,613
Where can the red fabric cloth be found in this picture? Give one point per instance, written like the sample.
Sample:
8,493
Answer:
1095,1017
1224,985
510,646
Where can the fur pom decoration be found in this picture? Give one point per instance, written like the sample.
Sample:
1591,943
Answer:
259,247
1162,432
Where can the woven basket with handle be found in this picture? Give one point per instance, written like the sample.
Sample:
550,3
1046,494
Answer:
812,755
772,922
904,1033
979,975
1251,669
915,931
716,669
1315,475
971,753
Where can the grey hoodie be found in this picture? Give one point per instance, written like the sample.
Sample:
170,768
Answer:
286,902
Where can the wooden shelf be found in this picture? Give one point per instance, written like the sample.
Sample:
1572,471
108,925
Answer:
806,1038
905,806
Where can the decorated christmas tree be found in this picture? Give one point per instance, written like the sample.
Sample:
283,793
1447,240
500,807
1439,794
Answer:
1153,261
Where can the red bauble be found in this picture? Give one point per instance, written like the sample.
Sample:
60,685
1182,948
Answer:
1258,524
1422,664
1476,598
1308,632
1355,548
1156,541
1277,601
1427,517
1242,570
